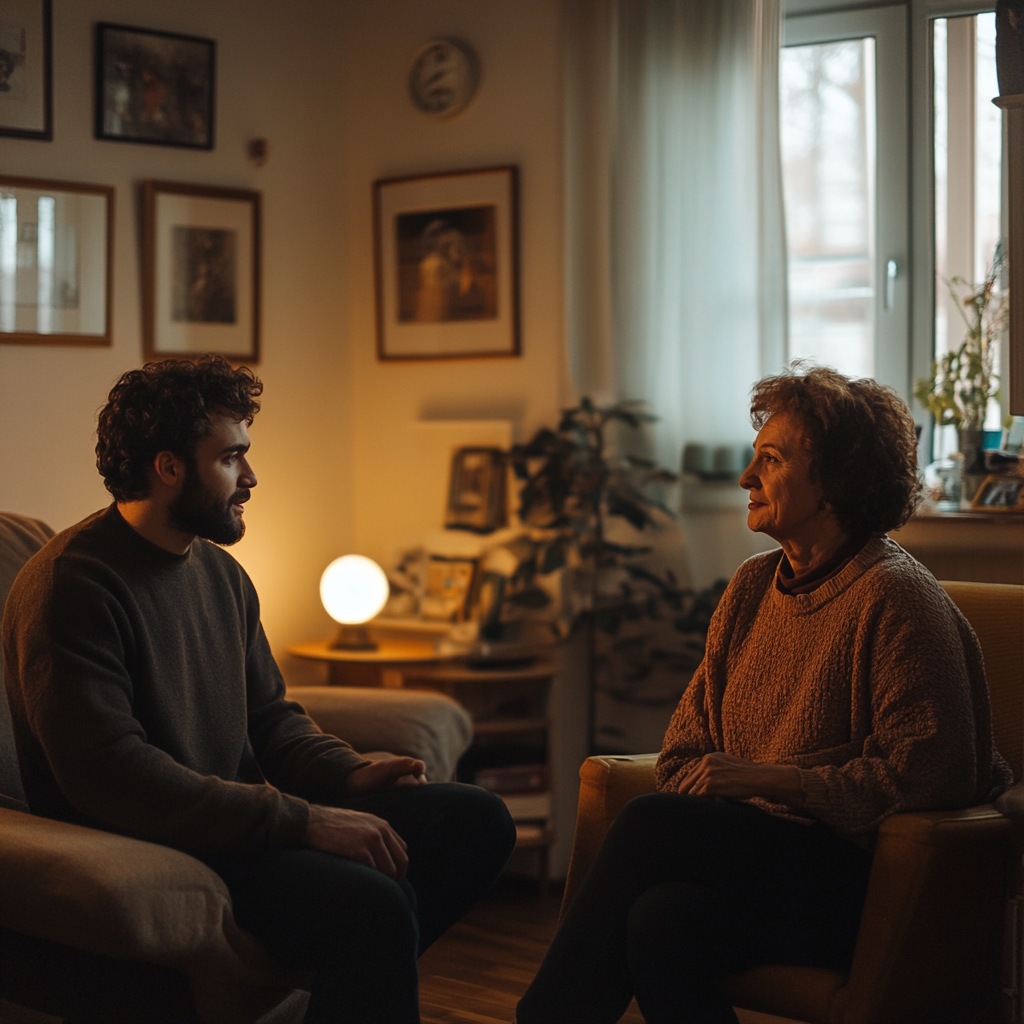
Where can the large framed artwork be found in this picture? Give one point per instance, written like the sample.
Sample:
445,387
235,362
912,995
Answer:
154,87
26,73
201,271
56,249
447,265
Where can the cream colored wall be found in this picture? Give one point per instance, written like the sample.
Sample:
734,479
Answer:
278,77
515,119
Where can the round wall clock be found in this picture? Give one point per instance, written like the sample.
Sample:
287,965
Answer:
443,77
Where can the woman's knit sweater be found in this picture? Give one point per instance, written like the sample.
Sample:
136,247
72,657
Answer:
872,685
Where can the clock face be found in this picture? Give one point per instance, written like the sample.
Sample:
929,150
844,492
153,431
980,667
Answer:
443,78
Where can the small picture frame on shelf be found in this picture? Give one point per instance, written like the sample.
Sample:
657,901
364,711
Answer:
448,588
201,271
56,288
447,265
154,87
26,70
476,491
1000,494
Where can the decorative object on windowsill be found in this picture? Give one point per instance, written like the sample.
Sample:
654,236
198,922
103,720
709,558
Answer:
572,487
720,462
1000,494
353,589
476,490
1010,46
963,380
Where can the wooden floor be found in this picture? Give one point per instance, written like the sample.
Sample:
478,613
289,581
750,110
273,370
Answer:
476,972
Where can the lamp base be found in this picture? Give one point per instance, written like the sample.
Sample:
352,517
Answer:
353,638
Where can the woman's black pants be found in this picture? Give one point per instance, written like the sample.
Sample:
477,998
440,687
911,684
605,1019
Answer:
686,890
357,929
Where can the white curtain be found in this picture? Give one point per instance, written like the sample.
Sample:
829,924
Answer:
676,286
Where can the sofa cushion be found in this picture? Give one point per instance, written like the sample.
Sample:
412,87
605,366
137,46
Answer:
414,723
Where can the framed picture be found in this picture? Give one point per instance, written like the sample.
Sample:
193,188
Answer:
154,87
1000,494
476,490
201,271
26,71
56,241
448,588
447,265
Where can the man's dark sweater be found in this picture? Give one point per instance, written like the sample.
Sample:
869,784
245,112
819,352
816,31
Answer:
146,701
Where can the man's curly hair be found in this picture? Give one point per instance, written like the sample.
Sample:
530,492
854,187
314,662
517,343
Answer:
863,443
166,406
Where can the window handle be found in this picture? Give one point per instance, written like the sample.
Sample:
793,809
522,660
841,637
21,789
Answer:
891,272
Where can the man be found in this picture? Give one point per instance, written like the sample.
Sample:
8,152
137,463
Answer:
146,701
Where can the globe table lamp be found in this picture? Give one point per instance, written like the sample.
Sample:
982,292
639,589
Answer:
353,589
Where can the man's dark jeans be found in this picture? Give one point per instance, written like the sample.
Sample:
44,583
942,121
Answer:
357,929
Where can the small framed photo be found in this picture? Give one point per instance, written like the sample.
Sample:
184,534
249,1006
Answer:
154,87
476,490
448,588
201,271
1000,494
56,241
447,265
26,70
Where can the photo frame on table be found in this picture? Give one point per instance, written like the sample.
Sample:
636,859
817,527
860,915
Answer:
26,70
58,288
447,265
1000,494
154,87
201,271
448,589
476,490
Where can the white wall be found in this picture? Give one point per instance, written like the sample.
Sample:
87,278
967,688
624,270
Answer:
277,77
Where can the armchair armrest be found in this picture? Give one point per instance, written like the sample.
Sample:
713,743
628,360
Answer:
933,918
134,900
607,784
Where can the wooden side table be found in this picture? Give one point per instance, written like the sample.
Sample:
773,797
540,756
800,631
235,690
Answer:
385,666
508,704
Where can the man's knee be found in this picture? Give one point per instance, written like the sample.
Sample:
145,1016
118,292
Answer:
381,911
481,817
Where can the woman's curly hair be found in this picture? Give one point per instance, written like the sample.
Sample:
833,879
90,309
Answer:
863,443
166,406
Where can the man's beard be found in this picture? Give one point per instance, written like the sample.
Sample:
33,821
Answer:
194,511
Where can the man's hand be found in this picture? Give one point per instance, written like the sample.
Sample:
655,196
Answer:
723,775
377,775
358,836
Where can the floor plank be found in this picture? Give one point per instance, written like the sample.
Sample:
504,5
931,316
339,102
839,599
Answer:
477,972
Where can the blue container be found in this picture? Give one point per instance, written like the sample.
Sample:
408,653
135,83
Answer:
991,440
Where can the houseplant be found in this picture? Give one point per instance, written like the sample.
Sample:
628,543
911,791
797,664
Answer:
584,499
961,383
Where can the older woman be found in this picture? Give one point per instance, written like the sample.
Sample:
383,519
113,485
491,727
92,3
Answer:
840,685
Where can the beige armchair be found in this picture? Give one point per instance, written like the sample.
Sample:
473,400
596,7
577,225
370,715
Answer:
938,935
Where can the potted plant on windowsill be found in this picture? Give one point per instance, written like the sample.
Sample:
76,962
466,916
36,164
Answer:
961,383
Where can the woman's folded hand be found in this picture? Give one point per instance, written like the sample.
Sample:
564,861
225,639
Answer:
723,775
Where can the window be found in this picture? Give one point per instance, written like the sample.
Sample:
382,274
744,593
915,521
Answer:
967,134
844,117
